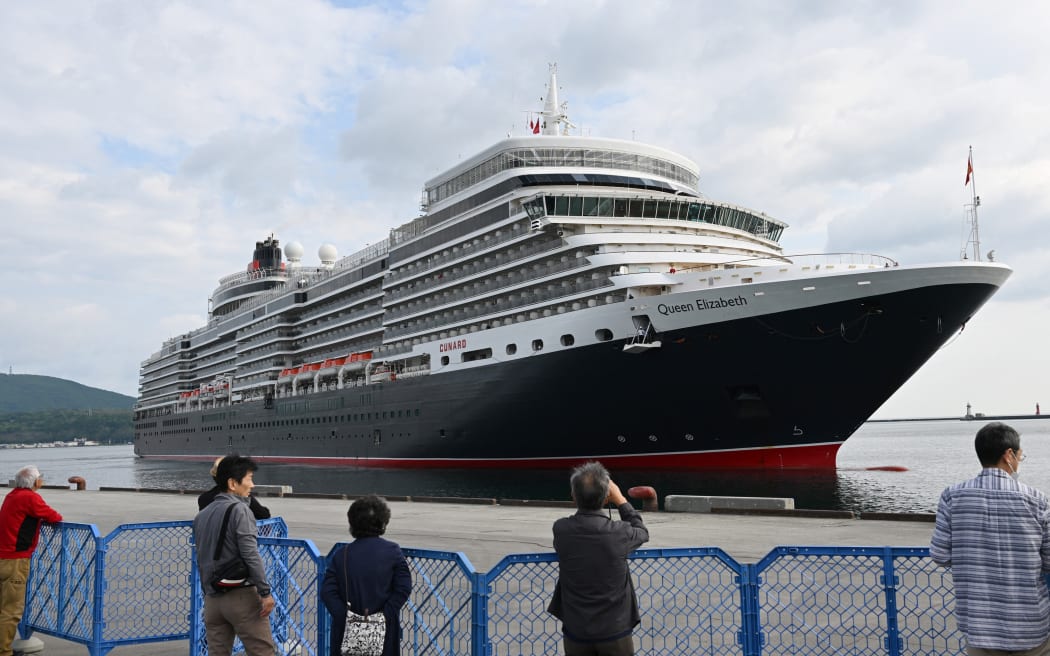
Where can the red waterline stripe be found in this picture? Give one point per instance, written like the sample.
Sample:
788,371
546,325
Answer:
820,456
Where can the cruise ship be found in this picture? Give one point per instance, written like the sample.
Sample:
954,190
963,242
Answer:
561,298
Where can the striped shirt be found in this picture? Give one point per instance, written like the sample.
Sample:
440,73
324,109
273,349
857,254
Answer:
994,533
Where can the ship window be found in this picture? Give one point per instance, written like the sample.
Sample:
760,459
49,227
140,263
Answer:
567,340
561,206
576,206
512,349
537,345
603,334
479,354
444,360
590,206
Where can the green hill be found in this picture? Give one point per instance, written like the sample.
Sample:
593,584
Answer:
28,393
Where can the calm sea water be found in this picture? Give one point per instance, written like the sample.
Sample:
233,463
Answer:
935,453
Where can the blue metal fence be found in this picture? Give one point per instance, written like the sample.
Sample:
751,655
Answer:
140,584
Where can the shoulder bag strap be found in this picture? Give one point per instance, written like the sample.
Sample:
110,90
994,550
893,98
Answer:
346,572
222,532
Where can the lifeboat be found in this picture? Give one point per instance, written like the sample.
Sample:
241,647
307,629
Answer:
357,361
329,367
307,371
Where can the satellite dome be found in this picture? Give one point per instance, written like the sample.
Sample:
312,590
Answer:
294,250
328,254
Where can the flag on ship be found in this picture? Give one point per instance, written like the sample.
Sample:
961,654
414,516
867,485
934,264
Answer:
969,169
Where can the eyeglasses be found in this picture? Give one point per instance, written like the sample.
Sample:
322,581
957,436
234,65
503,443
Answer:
1021,456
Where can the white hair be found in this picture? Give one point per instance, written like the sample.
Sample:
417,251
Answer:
27,476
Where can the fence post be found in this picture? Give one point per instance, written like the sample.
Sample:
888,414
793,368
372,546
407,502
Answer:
479,613
62,594
324,626
196,601
97,611
890,581
750,637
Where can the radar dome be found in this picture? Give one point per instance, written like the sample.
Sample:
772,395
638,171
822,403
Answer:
293,250
327,253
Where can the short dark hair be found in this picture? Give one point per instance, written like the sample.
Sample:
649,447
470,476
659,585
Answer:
993,440
235,467
590,485
368,517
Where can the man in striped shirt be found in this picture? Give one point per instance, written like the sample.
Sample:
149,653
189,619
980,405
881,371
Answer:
994,534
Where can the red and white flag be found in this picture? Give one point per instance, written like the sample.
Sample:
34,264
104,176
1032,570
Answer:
536,128
969,170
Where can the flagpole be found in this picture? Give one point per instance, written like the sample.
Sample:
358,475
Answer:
976,202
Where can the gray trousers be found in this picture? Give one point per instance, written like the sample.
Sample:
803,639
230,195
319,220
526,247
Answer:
236,613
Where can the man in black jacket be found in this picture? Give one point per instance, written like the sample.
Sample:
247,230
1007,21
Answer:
595,597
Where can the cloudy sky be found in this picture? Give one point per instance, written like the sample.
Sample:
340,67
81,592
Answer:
145,146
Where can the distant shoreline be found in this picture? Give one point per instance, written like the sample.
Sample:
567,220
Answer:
958,418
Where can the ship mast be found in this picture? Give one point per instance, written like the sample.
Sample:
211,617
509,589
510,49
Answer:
973,240
555,121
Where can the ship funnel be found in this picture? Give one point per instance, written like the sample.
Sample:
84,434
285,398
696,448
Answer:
267,255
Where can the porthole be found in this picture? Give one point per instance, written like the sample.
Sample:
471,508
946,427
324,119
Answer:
652,438
512,349
621,439
603,334
567,340
689,437
537,345
444,361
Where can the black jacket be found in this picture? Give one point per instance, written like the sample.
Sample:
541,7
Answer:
595,597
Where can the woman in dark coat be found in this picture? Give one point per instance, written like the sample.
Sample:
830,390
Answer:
370,572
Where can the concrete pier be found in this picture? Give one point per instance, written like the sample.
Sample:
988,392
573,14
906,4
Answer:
485,532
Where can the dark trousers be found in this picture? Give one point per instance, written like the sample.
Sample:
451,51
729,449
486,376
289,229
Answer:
620,647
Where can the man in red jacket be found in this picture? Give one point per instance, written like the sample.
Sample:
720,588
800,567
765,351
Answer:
20,517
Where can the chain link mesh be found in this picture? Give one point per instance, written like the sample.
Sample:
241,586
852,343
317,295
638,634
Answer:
797,600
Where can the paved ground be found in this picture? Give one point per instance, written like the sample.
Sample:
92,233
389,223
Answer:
485,533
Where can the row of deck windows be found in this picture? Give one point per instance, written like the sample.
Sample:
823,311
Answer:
561,157
650,208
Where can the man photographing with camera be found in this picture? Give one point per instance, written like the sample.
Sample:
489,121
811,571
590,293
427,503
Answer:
594,597
237,600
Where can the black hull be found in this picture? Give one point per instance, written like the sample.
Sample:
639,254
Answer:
778,390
